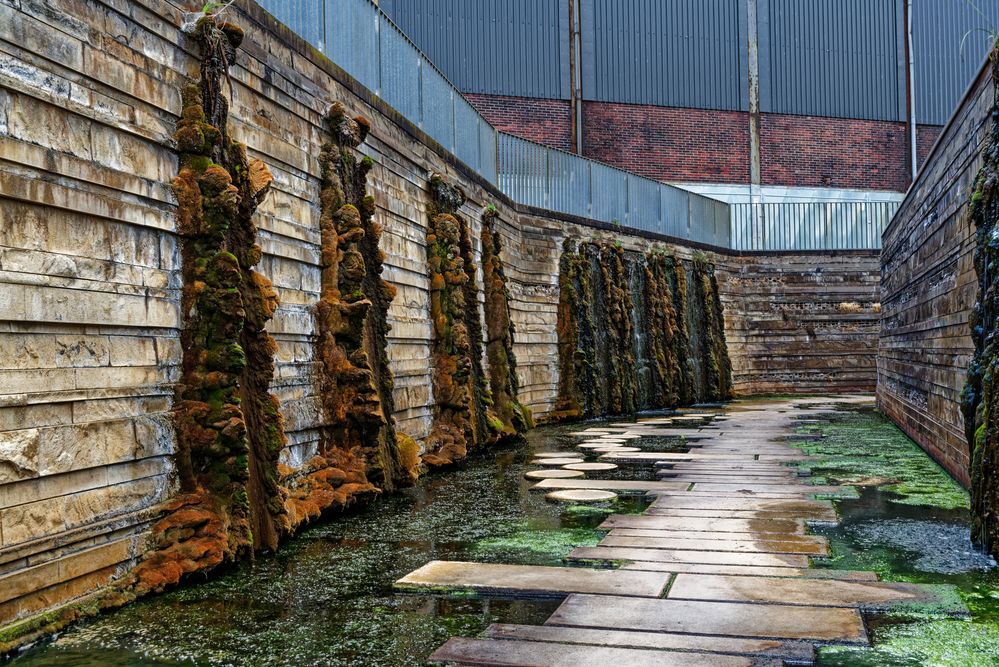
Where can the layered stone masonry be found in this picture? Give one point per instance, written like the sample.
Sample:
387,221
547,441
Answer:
93,313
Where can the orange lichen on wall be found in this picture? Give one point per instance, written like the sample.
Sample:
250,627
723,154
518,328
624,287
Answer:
464,418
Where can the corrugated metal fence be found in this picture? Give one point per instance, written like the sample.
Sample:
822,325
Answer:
844,225
362,40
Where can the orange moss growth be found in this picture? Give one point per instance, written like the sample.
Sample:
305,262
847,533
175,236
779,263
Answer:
503,381
229,427
359,455
464,418
194,536
326,483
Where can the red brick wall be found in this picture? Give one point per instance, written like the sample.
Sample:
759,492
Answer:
548,122
834,152
926,136
669,144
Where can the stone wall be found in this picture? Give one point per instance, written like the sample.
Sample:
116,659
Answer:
804,322
929,288
89,261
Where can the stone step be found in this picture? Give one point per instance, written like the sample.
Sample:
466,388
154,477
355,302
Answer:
722,475
750,546
790,538
716,501
799,653
608,485
870,596
736,486
491,579
751,570
696,524
830,517
516,653
706,456
735,479
609,553
733,619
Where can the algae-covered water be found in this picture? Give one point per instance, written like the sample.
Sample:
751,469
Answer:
910,523
326,598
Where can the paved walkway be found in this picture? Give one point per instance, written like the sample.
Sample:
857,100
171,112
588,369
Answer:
715,572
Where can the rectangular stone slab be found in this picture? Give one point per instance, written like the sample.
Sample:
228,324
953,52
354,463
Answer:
796,652
607,485
694,525
871,595
733,619
738,514
514,653
751,570
787,538
750,546
689,501
790,489
748,480
605,553
530,581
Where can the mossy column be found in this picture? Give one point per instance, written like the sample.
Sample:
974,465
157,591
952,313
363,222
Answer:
229,428
503,381
980,400
716,364
463,414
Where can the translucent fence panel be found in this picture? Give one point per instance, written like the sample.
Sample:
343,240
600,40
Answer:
568,184
466,131
609,192
400,72
305,18
352,38
488,137
850,225
644,204
523,173
437,107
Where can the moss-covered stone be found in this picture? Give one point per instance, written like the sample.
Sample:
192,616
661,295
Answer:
464,418
980,399
715,363
503,383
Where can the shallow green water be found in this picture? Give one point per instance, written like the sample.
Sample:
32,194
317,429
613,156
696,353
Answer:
326,598
910,523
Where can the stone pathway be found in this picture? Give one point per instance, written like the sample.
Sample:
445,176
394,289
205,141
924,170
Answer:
716,571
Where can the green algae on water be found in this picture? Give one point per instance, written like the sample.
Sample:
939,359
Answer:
934,644
527,545
863,448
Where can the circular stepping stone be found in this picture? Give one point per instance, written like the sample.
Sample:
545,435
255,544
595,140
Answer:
551,455
556,462
554,474
581,496
590,466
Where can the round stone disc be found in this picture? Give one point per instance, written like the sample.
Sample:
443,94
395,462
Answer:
553,474
581,496
590,466
557,462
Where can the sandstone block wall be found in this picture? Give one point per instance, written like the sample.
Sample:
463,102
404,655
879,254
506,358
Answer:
89,261
929,288
802,322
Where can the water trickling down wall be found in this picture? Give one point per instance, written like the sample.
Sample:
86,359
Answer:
632,337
